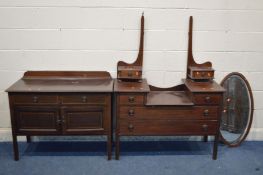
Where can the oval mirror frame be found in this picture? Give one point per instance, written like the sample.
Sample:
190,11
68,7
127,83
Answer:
243,135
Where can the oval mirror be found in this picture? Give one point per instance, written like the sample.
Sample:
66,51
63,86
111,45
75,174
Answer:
238,106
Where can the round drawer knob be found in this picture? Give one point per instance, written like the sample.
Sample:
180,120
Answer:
35,99
130,127
131,112
205,127
84,99
131,99
206,112
208,99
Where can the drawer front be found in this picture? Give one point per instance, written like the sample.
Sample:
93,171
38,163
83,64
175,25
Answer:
130,74
131,99
202,74
168,127
169,113
35,99
207,99
83,99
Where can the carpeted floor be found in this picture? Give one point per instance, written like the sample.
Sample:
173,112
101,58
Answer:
142,158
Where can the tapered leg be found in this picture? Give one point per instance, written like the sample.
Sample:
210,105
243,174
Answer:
28,139
215,147
109,146
117,146
15,148
205,138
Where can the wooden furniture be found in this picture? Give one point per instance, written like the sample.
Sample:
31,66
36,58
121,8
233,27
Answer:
126,71
197,71
45,103
238,105
192,108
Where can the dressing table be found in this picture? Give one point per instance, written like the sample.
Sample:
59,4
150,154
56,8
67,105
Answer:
192,108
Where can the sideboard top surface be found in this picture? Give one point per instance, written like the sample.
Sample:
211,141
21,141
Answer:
63,81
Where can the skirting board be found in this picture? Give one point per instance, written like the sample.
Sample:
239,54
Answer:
256,134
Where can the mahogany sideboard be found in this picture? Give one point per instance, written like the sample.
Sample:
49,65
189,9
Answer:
45,103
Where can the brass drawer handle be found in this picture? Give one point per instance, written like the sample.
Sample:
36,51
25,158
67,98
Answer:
208,99
84,99
206,112
131,112
130,127
35,99
131,99
205,127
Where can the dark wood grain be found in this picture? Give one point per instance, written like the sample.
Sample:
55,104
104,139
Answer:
133,71
170,98
131,86
167,127
169,113
191,64
208,87
61,103
67,75
62,85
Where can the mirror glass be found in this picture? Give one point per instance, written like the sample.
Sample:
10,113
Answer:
237,109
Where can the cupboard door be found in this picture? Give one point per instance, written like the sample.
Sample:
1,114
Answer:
83,119
37,120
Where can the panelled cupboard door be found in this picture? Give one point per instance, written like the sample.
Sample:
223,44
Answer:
37,120
83,119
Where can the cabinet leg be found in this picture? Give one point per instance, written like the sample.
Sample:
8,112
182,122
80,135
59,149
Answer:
15,148
215,147
109,146
28,139
205,138
117,147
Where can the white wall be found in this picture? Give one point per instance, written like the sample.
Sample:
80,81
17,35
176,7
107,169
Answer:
95,34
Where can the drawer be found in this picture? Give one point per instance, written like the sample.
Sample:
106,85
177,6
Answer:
168,127
131,99
35,99
169,113
83,99
207,99
130,74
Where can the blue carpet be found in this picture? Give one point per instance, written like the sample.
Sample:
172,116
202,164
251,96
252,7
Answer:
153,158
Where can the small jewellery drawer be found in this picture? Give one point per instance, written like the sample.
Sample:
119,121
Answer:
207,99
167,127
35,99
131,99
169,113
83,99
130,74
